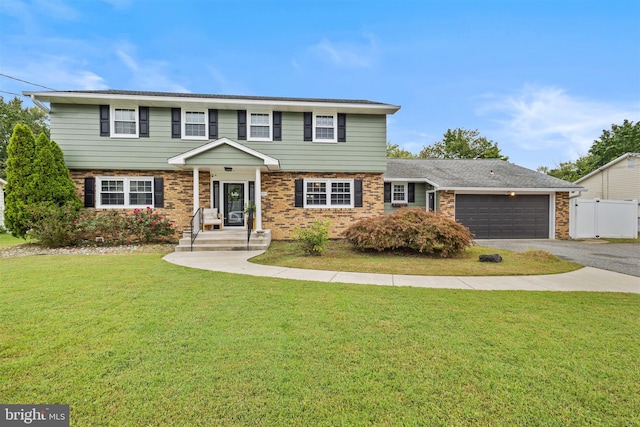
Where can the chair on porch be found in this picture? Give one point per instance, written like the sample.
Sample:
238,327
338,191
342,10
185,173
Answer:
211,217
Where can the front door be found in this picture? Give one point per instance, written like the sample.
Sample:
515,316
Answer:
233,196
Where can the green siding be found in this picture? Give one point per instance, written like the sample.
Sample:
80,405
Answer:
420,199
224,155
76,129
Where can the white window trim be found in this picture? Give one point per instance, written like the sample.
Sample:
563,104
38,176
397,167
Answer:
112,120
249,137
183,125
126,186
406,192
334,114
328,182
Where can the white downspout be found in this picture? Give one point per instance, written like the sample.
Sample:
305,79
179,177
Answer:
196,189
39,104
258,201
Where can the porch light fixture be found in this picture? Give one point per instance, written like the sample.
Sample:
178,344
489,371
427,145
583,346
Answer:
512,194
228,169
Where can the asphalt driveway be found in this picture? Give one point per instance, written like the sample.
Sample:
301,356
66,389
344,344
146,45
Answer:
618,257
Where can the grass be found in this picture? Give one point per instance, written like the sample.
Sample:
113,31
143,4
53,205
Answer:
133,340
7,240
627,240
340,256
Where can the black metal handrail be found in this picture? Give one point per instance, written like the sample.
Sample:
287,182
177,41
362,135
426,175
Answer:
196,225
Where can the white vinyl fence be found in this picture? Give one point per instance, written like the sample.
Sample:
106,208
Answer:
591,218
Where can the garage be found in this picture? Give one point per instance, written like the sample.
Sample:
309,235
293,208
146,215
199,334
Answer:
493,216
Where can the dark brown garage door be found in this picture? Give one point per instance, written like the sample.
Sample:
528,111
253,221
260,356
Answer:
504,217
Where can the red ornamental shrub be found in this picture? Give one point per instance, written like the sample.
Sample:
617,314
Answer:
410,229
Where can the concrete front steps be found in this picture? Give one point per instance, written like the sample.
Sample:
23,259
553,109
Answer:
225,240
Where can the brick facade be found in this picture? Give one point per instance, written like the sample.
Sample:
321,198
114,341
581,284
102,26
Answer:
278,211
178,191
281,217
562,216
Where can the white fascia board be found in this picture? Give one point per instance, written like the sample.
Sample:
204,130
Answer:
181,159
220,103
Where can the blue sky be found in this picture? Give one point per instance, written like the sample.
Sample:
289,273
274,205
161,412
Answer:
541,78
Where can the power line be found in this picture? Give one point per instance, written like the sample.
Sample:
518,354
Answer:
24,81
11,93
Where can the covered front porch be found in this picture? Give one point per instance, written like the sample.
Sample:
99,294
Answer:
232,187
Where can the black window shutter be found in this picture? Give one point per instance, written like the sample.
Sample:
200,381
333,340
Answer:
299,193
411,190
213,124
89,192
252,191
242,124
216,194
144,122
342,127
387,192
308,127
158,192
357,187
105,126
176,125
277,125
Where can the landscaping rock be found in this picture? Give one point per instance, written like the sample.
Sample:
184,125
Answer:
491,258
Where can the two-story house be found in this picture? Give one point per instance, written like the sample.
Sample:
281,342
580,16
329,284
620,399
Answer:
297,160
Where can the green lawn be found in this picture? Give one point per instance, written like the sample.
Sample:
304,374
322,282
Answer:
7,239
340,256
133,340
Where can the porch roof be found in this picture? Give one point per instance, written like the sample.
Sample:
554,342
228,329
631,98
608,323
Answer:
244,156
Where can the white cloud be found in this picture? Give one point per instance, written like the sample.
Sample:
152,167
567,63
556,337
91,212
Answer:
348,55
223,85
147,74
549,119
56,9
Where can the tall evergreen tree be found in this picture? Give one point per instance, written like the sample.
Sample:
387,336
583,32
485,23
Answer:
50,182
21,152
12,113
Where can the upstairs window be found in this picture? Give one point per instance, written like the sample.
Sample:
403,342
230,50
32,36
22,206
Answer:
194,125
260,126
124,123
324,129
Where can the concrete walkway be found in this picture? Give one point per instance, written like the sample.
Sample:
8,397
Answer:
585,279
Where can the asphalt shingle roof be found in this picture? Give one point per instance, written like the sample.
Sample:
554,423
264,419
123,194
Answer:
214,96
476,173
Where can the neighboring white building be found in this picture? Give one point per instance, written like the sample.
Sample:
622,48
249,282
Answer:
2,184
617,180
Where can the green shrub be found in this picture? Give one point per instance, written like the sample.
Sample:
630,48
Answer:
54,226
149,225
410,229
58,226
313,240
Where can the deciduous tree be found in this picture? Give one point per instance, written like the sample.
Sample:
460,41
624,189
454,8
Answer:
463,144
621,139
394,151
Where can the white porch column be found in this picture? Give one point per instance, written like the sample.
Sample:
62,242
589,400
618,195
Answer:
196,189
258,201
